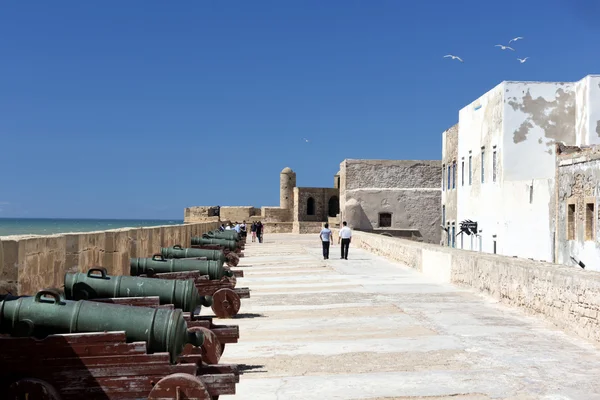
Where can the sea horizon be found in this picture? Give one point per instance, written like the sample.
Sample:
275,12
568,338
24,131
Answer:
50,226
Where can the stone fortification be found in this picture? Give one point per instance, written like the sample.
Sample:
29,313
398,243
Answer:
31,263
569,297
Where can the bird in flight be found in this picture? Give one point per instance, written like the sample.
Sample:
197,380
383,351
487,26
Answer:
515,39
505,47
522,60
306,140
454,57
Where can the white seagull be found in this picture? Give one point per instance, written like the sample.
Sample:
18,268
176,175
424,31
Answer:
454,57
515,39
522,60
505,47
306,140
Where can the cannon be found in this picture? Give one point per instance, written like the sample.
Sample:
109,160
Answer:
96,283
226,243
228,234
48,313
215,336
226,299
160,264
216,255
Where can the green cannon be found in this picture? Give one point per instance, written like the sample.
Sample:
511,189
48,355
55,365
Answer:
96,284
47,313
228,234
179,252
158,264
228,244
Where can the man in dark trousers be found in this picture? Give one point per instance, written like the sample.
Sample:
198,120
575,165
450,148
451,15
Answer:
325,236
345,237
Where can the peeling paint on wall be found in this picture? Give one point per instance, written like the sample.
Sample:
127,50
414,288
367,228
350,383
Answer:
555,117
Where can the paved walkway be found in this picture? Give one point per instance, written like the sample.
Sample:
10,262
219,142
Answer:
370,329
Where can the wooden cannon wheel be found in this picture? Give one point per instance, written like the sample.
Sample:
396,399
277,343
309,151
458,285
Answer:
226,303
179,387
210,350
32,389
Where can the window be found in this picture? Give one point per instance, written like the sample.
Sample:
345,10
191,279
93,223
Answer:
449,233
462,172
443,177
454,175
494,165
453,234
482,164
570,221
385,220
470,168
589,221
443,213
448,176
310,206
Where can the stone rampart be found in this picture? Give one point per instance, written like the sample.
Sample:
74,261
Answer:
567,296
31,263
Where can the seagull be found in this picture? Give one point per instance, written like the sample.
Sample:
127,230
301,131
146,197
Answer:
306,140
505,47
454,57
522,59
515,39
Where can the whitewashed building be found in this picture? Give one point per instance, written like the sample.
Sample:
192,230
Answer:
506,163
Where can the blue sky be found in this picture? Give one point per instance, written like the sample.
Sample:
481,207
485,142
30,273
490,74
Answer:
139,108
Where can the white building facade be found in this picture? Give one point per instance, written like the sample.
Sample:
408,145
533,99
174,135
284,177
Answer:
506,154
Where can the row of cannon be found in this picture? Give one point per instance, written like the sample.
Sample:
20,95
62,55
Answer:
137,337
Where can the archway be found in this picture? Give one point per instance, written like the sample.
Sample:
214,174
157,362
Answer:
333,206
310,206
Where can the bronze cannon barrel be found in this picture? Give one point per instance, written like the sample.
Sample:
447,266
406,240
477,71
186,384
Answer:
179,252
227,234
228,244
47,313
159,264
96,283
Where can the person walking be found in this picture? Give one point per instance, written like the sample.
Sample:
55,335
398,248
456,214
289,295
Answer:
325,236
345,237
259,231
253,230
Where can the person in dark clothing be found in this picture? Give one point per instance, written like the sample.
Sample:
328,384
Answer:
325,236
259,231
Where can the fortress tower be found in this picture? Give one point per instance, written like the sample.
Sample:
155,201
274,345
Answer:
287,183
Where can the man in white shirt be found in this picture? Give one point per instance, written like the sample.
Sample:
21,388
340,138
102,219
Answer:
345,237
325,236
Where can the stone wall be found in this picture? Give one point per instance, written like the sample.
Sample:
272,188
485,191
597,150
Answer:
200,214
238,214
31,263
407,192
567,296
276,214
323,199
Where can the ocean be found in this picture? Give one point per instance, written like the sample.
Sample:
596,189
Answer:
49,226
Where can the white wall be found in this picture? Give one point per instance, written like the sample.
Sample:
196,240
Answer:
480,124
593,83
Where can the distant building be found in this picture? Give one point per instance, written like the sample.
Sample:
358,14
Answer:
393,197
502,174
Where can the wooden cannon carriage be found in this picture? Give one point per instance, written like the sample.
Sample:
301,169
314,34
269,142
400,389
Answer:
103,366
226,297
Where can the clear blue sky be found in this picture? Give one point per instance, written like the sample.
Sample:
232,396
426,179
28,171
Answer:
139,108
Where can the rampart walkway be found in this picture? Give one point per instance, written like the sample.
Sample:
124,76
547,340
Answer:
370,329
